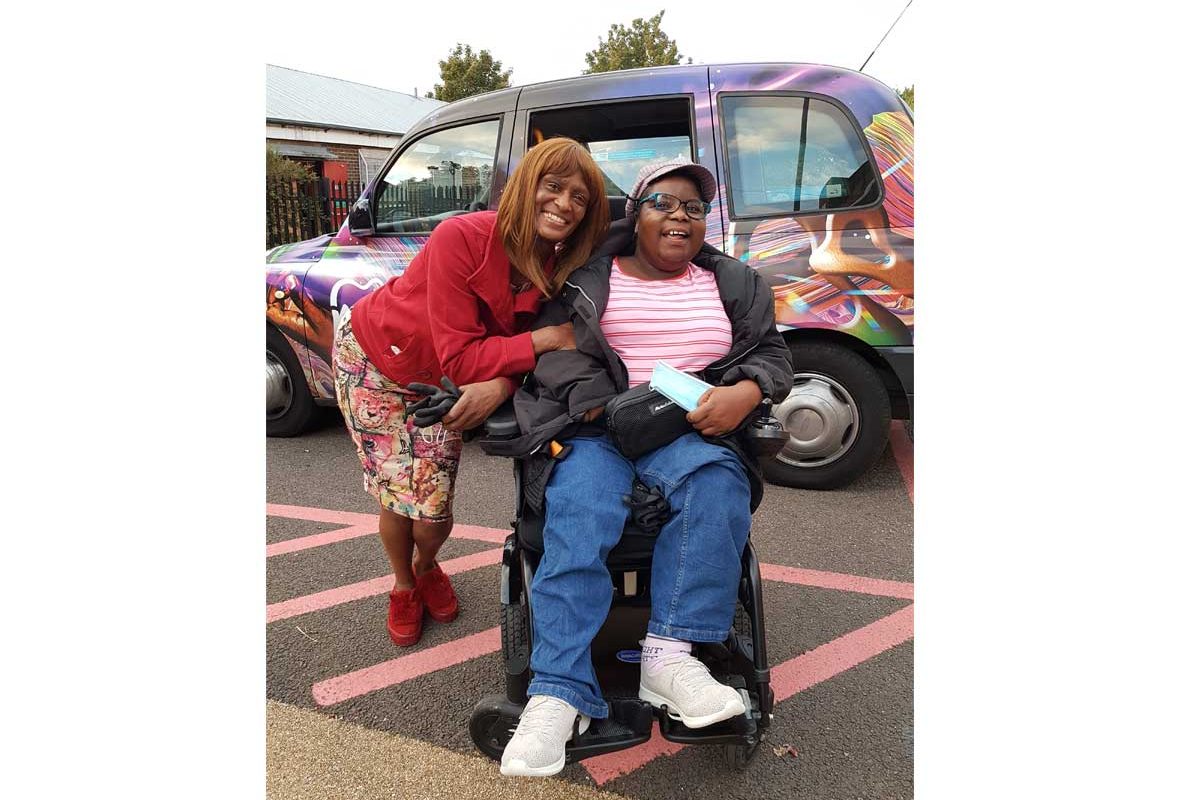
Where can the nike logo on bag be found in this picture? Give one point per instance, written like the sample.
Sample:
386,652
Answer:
656,409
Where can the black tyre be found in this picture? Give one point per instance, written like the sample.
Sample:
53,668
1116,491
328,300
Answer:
492,724
739,756
741,622
838,415
515,644
290,407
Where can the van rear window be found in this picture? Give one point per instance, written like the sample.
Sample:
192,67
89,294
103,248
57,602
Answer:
790,155
622,137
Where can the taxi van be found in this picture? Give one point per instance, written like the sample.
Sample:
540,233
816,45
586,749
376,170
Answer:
815,172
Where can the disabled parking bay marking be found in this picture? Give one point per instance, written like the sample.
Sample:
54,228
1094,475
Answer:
788,678
359,525
413,665
370,588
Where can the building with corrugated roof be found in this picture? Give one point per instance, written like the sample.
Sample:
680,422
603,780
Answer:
343,130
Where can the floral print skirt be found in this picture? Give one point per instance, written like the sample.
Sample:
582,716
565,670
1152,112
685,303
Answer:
410,470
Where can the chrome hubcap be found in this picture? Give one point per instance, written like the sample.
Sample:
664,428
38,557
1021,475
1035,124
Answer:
821,418
279,387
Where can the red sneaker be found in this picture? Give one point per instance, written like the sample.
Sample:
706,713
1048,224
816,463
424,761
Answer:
435,589
405,611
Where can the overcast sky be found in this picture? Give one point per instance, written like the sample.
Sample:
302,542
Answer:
397,45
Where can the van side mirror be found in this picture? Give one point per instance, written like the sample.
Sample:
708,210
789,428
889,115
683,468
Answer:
360,220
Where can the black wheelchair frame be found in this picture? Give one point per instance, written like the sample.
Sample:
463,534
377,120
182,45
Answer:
740,661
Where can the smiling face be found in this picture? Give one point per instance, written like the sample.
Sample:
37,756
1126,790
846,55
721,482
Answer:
667,242
560,202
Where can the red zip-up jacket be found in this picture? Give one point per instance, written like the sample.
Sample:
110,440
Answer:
452,312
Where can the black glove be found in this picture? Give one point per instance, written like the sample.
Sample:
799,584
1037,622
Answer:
436,403
649,509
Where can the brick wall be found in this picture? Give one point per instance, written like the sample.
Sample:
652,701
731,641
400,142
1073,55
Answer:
343,152
348,154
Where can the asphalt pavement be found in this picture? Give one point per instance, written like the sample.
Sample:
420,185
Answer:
351,715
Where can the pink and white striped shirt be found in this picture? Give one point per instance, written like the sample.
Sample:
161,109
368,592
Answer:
679,320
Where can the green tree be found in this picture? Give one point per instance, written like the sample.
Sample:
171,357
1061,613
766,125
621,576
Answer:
280,168
907,95
643,45
288,210
466,73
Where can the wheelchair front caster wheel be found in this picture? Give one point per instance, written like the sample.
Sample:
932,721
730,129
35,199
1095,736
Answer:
492,724
739,756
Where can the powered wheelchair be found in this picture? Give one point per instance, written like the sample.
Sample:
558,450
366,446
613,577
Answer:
740,661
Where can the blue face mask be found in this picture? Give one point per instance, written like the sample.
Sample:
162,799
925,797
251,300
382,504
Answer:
678,386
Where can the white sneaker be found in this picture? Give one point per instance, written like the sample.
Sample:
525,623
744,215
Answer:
538,747
693,696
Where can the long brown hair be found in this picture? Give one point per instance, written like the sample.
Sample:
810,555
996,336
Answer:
518,212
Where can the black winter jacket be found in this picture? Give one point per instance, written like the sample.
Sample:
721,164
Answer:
566,384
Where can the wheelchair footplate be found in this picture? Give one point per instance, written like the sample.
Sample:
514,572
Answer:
740,730
629,723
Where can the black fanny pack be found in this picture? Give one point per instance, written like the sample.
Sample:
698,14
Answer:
640,420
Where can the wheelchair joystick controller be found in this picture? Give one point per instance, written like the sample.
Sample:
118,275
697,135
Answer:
766,435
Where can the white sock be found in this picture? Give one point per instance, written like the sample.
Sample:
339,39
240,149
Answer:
655,647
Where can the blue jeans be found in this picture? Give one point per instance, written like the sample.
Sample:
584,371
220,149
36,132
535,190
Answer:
697,557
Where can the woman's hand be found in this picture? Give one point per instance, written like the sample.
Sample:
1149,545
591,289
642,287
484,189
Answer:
477,403
554,337
722,408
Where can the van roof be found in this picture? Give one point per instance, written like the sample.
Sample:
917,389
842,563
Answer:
502,99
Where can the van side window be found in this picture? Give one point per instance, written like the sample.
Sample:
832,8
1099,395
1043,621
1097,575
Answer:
790,155
446,173
622,137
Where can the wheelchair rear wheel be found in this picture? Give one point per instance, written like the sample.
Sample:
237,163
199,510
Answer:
741,622
516,648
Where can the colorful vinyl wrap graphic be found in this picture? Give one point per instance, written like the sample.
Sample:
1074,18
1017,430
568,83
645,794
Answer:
311,284
849,271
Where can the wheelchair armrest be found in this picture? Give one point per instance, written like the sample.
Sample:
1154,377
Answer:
502,424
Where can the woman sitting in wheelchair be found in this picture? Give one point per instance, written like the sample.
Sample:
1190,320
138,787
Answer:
700,311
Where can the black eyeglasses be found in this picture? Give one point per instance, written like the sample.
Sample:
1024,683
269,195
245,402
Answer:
667,203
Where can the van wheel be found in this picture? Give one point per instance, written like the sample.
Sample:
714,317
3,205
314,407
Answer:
837,415
290,407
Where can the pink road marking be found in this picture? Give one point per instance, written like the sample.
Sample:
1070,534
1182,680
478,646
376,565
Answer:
837,580
792,676
360,525
398,670
613,765
321,514
902,450
849,650
318,539
479,534
370,588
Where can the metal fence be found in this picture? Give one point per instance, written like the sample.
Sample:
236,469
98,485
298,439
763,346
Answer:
298,210
405,201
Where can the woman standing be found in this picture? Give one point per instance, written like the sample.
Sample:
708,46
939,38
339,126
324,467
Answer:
462,310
